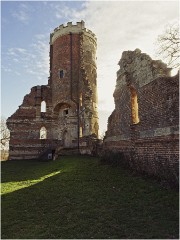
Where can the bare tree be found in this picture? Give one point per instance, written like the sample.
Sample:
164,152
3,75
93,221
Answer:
168,45
5,136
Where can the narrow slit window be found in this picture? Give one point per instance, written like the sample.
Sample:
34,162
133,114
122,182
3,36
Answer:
43,133
80,131
80,99
61,74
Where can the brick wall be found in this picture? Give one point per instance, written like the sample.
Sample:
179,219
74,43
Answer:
152,143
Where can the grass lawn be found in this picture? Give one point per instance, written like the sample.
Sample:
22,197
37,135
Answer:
77,197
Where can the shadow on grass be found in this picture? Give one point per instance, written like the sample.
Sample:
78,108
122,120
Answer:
22,170
88,200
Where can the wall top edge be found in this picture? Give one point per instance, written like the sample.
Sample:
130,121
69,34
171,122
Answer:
70,28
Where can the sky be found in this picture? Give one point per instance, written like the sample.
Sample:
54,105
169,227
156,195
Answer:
119,26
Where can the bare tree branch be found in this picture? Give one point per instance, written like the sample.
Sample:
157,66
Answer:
5,135
168,46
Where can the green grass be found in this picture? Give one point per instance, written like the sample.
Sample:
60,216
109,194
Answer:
77,197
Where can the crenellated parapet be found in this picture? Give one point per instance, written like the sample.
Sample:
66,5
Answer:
70,28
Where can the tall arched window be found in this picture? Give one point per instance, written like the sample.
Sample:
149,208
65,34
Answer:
43,106
43,133
134,106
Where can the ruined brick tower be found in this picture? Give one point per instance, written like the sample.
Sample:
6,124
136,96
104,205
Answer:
62,113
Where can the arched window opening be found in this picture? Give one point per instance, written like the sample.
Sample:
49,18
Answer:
43,106
43,133
134,106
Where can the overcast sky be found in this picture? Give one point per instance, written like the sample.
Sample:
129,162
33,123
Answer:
118,25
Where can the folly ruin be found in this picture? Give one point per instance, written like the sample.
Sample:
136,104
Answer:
63,113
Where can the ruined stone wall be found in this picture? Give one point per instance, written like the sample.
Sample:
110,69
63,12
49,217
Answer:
26,122
144,124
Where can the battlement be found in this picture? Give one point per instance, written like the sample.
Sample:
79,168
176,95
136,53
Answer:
79,27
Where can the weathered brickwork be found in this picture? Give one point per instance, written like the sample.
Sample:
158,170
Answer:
70,98
144,124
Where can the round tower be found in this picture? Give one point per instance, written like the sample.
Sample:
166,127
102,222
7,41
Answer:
73,80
